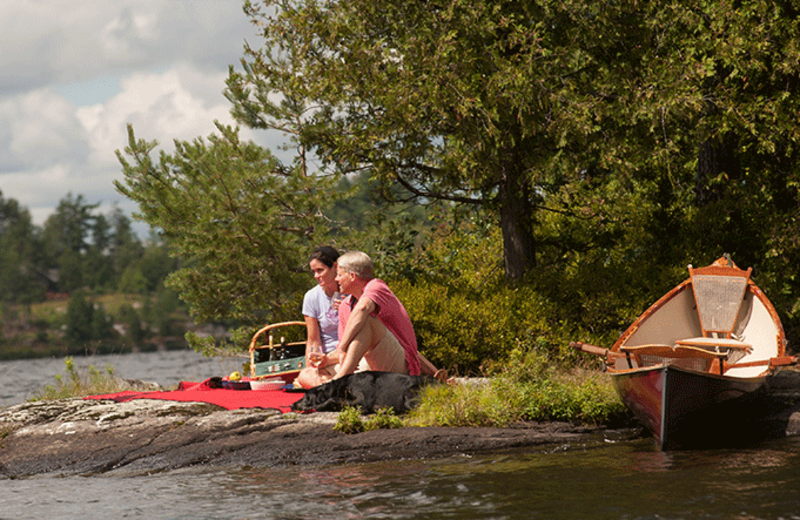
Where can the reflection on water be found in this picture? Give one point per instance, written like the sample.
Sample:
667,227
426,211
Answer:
625,480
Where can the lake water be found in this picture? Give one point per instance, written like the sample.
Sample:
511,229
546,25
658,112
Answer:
614,480
21,379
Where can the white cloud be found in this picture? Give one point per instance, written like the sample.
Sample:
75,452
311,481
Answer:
161,106
44,42
74,73
40,129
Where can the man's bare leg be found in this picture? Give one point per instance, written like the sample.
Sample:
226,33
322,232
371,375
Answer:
370,335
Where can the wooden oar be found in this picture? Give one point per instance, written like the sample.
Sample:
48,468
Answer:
780,361
592,349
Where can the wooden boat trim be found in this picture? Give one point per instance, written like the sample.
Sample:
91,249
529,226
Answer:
705,342
662,366
677,351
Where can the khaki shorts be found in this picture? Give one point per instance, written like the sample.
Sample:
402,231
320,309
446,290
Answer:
330,369
387,356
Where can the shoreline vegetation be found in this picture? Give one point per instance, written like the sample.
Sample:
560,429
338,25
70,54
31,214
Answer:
105,323
533,390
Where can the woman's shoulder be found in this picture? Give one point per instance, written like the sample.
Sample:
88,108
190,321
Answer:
314,291
313,297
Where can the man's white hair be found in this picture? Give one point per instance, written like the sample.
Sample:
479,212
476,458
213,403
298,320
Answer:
358,263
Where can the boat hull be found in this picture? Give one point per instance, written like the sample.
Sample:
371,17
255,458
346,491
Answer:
684,408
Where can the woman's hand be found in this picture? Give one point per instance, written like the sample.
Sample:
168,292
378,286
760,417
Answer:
317,359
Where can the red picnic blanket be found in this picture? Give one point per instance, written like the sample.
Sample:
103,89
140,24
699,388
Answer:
209,391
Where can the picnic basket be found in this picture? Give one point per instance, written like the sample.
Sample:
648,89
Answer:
284,358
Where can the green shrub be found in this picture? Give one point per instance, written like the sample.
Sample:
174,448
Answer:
81,383
462,330
531,386
350,420
383,419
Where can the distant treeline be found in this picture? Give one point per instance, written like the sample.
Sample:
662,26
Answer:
76,248
62,283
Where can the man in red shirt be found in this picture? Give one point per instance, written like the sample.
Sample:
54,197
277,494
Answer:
375,332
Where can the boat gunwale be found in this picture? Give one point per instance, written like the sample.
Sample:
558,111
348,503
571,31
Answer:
613,373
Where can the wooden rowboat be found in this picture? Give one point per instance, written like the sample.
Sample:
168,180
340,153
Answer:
688,365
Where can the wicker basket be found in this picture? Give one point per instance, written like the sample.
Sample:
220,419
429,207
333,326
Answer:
268,359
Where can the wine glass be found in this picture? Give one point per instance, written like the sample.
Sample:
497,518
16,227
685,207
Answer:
336,300
315,355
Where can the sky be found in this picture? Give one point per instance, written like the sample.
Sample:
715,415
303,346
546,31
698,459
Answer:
74,74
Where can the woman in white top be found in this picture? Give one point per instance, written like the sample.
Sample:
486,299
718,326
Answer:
320,304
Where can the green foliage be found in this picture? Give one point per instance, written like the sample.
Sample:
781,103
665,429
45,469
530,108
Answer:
461,330
447,109
463,405
87,323
78,383
132,281
101,324
80,313
19,246
350,420
69,227
76,248
466,313
543,389
130,319
530,385
382,419
598,136
241,222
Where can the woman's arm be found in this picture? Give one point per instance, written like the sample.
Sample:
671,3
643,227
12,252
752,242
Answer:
313,335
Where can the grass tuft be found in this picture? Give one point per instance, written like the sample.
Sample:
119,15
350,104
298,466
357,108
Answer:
81,383
350,420
530,386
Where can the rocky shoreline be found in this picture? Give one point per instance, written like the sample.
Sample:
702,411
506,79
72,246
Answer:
94,437
89,437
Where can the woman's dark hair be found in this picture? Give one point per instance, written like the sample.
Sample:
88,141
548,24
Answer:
325,254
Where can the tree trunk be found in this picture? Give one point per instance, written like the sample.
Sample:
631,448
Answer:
715,157
516,217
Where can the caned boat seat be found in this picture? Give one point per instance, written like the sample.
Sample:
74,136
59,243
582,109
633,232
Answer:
718,294
668,353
